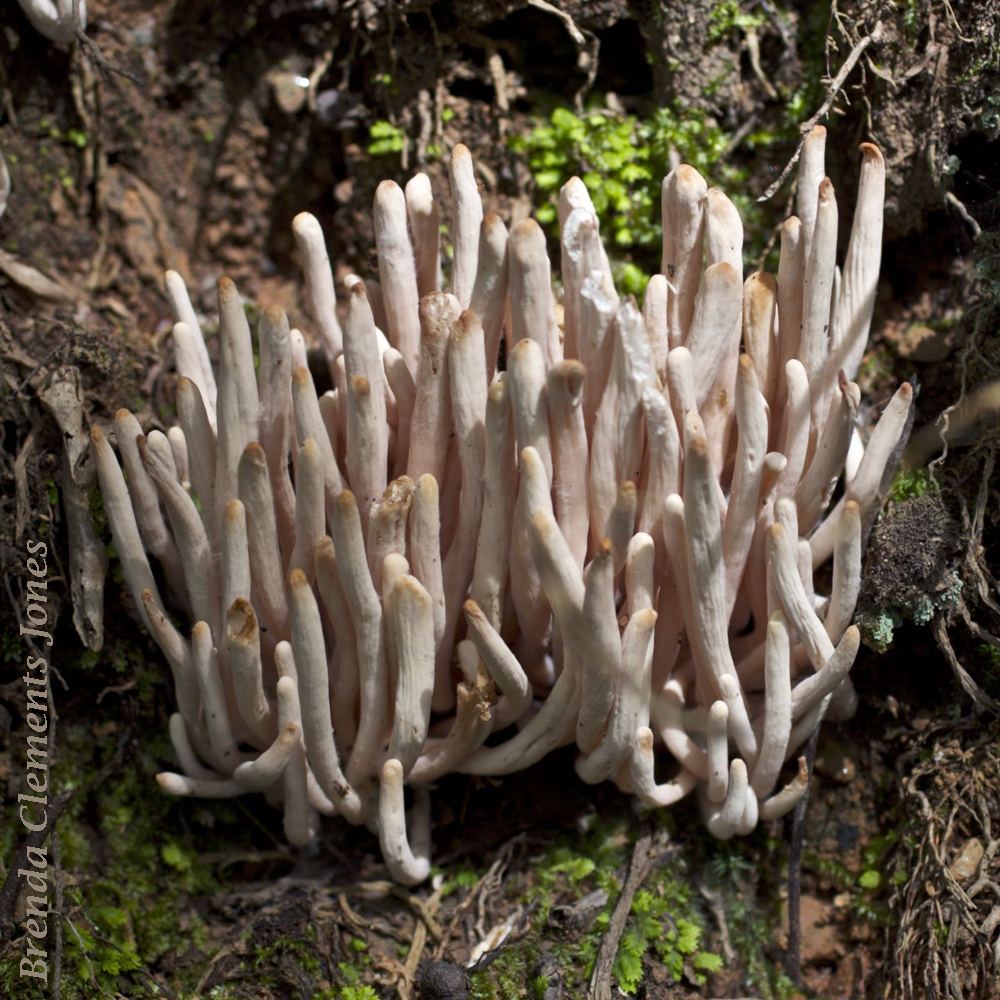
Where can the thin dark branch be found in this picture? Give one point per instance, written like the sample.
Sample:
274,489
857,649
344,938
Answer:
93,51
980,699
644,860
793,956
835,86
11,888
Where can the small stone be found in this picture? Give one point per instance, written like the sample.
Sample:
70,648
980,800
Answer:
836,761
442,981
239,182
215,232
967,862
343,191
289,93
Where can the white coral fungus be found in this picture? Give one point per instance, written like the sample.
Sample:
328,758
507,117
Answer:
611,543
54,18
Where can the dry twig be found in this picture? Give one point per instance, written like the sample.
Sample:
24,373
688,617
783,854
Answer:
835,87
645,858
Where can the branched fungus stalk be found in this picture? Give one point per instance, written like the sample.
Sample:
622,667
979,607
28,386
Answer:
441,567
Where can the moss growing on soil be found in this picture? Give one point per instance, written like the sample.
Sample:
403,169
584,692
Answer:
623,159
912,563
670,937
129,857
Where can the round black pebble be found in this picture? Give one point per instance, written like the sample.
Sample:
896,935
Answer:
443,981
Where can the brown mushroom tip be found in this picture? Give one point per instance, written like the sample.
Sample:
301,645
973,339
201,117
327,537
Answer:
871,152
460,152
541,521
274,315
392,770
409,585
297,579
627,490
699,446
424,483
851,507
776,531
529,456
358,291
387,189
472,609
644,739
853,634
199,629
253,452
826,192
905,392
572,374
763,283
123,414
803,774
96,434
498,389
746,365
233,509
646,618
721,271
301,376
605,550
524,346
241,610
226,285
792,226
468,322
360,386
526,229
346,500
687,176
309,451
817,132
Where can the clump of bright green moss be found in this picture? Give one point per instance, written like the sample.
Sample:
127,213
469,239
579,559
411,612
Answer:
623,159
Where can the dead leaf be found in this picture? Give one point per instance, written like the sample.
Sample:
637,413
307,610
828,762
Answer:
34,281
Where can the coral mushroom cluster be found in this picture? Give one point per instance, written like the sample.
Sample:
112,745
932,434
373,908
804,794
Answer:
439,566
